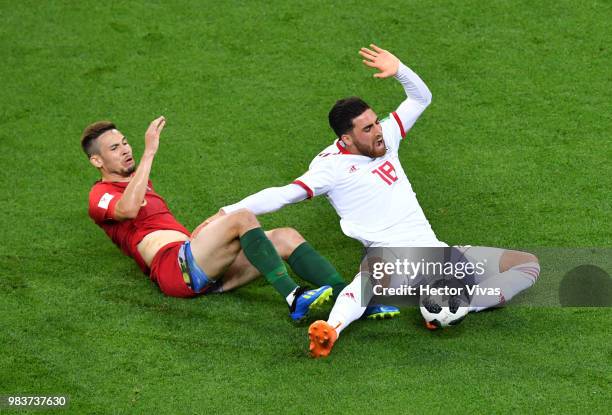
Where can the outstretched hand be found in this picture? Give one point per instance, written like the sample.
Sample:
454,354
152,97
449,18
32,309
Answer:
152,134
380,59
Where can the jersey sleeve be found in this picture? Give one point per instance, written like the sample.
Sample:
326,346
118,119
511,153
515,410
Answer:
269,200
318,180
393,132
418,98
102,204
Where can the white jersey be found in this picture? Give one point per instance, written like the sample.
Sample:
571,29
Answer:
373,197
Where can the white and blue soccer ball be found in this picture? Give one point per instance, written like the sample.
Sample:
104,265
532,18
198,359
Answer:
442,310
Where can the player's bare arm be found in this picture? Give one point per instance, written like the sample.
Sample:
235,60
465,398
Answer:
128,206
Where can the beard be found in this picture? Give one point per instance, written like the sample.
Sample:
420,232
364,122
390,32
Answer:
370,151
128,172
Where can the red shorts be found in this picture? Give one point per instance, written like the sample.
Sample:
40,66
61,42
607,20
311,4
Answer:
166,272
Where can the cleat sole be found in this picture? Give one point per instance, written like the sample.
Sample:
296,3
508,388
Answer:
321,339
382,316
323,298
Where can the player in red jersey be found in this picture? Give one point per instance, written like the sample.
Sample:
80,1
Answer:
218,256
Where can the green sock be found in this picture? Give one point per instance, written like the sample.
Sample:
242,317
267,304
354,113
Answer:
261,253
315,268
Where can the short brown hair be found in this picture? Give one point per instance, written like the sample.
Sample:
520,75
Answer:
91,133
343,112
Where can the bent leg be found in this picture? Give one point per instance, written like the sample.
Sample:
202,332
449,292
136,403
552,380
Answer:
514,272
305,261
217,245
511,259
241,271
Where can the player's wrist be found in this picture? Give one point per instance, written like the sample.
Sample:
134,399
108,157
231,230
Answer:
401,68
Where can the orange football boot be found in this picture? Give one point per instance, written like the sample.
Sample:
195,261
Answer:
322,338
430,326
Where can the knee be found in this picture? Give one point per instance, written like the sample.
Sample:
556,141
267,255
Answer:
531,258
285,240
526,257
243,219
512,259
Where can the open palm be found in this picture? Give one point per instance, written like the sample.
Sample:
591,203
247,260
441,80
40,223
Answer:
381,59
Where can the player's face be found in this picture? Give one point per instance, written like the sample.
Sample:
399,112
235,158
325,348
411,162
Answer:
367,135
115,154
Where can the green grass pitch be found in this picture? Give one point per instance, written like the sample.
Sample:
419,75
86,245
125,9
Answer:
514,151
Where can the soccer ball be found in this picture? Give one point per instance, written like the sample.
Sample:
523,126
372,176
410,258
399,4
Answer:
445,309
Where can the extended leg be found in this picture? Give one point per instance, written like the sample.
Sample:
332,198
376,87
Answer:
350,306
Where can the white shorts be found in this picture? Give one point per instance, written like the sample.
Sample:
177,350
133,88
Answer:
489,257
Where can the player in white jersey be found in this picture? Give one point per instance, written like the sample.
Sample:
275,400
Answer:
359,185
362,177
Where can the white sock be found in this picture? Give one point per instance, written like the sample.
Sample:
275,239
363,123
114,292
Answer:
348,307
291,296
510,283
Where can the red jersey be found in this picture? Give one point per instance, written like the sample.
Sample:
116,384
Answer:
153,215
